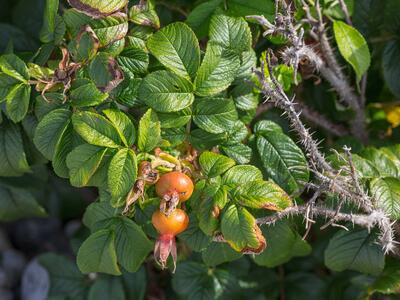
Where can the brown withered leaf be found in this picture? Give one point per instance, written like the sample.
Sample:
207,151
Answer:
260,238
144,14
116,74
87,29
95,12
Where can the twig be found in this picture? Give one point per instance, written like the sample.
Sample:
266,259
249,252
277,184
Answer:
343,6
282,101
309,211
345,187
367,221
341,84
321,121
332,72
363,91
330,181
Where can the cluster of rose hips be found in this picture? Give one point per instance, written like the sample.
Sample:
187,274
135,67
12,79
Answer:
173,188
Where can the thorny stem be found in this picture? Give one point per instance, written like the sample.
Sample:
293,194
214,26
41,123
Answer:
328,66
375,219
330,181
341,83
282,101
353,173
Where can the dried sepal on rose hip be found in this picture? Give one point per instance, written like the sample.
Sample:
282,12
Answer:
172,188
146,175
168,227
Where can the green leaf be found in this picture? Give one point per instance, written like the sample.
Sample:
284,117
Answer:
243,174
389,281
364,168
85,46
107,288
98,254
243,8
203,140
267,126
231,33
164,91
211,200
98,8
100,177
105,72
95,129
194,237
213,164
244,97
175,119
122,172
108,29
50,130
237,151
196,282
132,245
393,152
20,39
123,124
83,162
354,250
385,165
353,47
38,72
386,193
149,132
174,136
17,102
262,194
127,92
6,84
135,284
308,286
177,48
282,160
219,253
133,60
43,107
333,9
67,142
283,243
53,27
238,133
13,158
248,61
144,15
208,216
13,66
199,18
240,230
97,212
65,277
215,115
85,93
18,203
217,71
391,66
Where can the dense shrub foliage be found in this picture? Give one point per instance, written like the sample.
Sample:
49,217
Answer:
112,95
